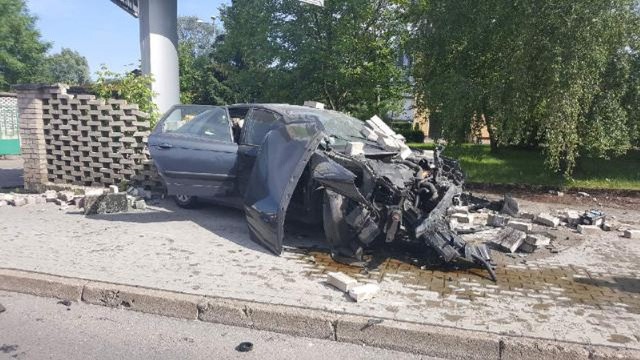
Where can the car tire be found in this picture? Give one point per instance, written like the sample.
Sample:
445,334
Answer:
185,201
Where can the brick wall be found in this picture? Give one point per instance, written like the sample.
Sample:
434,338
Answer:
81,140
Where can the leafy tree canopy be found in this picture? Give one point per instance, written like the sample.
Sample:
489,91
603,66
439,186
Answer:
559,73
344,54
22,52
68,67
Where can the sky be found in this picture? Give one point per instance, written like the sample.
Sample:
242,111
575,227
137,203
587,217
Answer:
100,30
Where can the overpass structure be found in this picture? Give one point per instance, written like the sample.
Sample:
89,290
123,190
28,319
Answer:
158,46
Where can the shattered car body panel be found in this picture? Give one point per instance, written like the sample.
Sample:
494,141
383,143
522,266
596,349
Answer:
282,158
364,184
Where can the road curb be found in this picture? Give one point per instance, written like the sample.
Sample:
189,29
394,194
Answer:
432,340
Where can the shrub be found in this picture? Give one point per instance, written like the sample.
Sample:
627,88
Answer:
130,86
407,130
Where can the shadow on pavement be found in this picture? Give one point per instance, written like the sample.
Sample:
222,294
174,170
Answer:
225,222
11,173
626,284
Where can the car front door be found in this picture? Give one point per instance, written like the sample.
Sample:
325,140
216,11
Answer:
257,124
192,147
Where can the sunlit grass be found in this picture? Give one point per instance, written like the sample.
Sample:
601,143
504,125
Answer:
526,167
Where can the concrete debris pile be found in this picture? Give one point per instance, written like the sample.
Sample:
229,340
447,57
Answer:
91,200
349,285
378,131
526,232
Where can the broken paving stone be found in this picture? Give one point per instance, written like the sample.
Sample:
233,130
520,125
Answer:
527,248
509,239
140,204
527,215
520,225
510,206
632,234
611,225
497,220
463,218
18,201
458,210
93,191
50,196
537,240
572,217
105,204
364,292
588,229
31,200
480,218
583,194
546,220
113,189
341,281
66,196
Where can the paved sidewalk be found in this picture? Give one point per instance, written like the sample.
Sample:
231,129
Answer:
587,293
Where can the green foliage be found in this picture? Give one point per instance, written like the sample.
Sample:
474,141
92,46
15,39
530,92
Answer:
201,78
134,88
22,52
67,67
558,73
407,130
527,167
344,54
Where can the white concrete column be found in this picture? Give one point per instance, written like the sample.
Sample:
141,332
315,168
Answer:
159,47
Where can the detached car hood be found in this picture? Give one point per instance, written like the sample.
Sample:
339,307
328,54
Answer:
278,167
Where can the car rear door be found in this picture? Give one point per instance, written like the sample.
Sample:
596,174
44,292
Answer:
193,149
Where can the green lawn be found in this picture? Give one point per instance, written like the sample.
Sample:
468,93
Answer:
519,166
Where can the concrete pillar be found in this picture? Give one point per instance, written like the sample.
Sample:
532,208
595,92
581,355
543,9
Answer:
159,47
31,125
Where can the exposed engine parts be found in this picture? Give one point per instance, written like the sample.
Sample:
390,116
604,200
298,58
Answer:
390,199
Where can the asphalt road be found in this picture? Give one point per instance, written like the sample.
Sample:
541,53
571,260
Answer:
41,328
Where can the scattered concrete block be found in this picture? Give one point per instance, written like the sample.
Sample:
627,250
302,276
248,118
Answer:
18,201
497,220
105,204
571,217
31,200
341,281
588,229
463,218
527,215
354,148
510,239
520,225
510,206
527,248
314,104
547,220
611,225
364,292
405,151
387,142
458,210
537,240
113,189
66,196
632,234
93,191
480,218
370,134
140,204
50,195
583,194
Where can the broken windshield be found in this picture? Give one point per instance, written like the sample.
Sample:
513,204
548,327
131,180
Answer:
337,125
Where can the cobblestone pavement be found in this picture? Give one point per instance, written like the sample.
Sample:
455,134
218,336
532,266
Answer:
588,292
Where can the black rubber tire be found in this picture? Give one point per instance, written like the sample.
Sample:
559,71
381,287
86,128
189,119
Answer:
185,201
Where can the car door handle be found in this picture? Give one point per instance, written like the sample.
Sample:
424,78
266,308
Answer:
165,146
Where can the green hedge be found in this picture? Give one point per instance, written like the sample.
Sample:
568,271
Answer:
406,129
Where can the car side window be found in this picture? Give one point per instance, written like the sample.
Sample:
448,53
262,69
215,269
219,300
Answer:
257,126
211,124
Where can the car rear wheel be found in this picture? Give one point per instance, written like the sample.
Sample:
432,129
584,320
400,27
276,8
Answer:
185,201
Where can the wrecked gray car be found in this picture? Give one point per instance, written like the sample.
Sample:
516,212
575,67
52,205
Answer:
280,162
